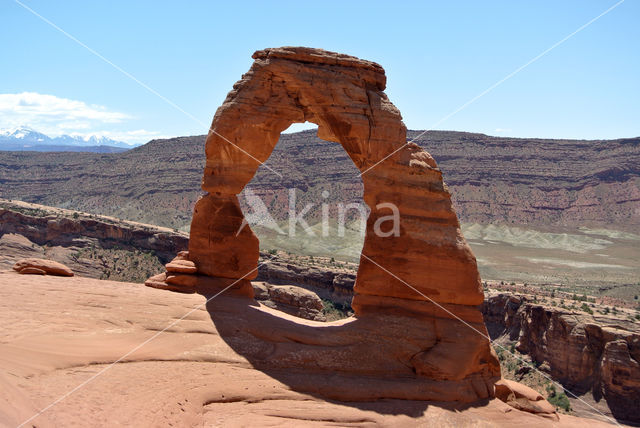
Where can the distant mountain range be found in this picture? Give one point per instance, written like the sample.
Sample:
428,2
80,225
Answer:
27,139
492,180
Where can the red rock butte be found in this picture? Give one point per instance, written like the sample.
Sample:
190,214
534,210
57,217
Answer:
416,294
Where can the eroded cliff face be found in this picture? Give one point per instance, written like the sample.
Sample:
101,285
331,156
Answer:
44,225
599,355
92,246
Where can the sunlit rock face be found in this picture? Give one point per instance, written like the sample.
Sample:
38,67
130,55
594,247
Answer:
417,287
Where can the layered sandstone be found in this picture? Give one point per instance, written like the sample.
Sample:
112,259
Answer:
565,182
49,226
333,284
600,357
417,287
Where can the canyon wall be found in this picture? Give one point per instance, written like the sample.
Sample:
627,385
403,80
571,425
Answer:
601,355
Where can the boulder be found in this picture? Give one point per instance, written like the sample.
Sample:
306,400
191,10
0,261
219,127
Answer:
160,281
181,266
523,398
290,299
32,271
42,267
184,280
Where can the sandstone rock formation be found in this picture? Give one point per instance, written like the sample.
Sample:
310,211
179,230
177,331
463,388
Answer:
584,355
523,398
416,290
290,299
91,245
54,226
41,267
99,345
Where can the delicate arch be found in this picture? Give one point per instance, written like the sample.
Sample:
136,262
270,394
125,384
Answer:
344,96
397,345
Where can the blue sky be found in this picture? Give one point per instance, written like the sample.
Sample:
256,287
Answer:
437,55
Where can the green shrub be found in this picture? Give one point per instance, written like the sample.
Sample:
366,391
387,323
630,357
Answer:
586,308
560,400
335,311
557,399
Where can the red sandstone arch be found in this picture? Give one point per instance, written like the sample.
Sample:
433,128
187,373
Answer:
344,96
398,345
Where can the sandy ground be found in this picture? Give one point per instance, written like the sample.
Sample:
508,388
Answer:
85,352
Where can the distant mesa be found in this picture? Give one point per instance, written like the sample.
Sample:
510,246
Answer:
416,294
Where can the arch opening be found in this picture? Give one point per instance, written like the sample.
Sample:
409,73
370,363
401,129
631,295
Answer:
315,209
313,217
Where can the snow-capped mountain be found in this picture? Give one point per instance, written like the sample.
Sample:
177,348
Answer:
93,140
22,135
25,138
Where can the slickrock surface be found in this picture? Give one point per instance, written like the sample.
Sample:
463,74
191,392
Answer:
188,375
600,357
41,267
417,286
